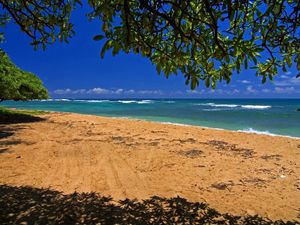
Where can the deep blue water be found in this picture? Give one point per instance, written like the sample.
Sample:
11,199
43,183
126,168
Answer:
273,116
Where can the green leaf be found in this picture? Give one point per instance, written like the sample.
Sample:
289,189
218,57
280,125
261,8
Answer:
193,84
211,65
105,47
16,84
254,60
246,63
187,81
238,66
270,77
98,37
116,49
207,82
105,27
193,44
289,61
158,68
284,68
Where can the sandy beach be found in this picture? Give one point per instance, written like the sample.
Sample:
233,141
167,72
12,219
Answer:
233,172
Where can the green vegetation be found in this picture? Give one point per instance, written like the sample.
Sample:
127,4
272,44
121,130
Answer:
16,84
7,111
17,116
204,40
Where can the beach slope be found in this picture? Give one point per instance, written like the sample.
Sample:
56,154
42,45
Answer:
233,172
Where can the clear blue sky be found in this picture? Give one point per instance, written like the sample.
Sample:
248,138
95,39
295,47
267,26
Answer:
76,70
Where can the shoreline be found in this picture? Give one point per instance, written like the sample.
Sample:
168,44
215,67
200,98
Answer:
249,131
233,172
199,126
185,125
247,115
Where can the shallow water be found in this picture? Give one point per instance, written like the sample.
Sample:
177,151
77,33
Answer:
269,116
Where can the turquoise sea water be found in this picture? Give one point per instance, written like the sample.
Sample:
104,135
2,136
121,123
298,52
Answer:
270,116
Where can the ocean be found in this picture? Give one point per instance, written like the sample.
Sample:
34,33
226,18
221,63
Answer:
265,116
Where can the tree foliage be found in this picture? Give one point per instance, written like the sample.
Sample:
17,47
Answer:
203,39
16,84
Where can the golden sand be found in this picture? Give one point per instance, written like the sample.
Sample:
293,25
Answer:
233,172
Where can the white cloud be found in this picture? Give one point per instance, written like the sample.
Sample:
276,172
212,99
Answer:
61,91
244,81
118,91
227,92
283,77
79,91
150,92
218,91
104,91
266,90
195,92
251,90
236,91
213,92
98,91
178,92
68,91
288,81
282,88
285,90
130,92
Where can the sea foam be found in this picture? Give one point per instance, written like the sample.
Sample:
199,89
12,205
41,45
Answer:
251,130
256,106
235,106
145,102
218,105
59,100
98,101
127,101
92,101
134,101
214,110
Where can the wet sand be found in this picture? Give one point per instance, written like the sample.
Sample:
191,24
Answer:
233,172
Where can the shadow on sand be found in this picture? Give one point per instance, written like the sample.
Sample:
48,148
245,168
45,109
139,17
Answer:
12,118
27,205
6,132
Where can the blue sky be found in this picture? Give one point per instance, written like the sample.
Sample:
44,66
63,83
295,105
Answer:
75,70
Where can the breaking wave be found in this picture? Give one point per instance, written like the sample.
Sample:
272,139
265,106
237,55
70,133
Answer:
256,106
218,105
92,101
145,102
127,101
235,106
135,101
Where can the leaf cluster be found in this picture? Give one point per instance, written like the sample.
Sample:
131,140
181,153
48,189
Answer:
16,84
44,21
207,41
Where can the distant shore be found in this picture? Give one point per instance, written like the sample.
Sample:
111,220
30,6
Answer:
234,172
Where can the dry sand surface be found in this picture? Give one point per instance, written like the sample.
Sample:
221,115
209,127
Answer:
233,172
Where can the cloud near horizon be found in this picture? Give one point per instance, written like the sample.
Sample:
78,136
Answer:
285,85
287,81
104,91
